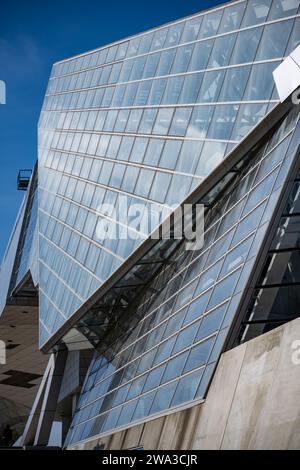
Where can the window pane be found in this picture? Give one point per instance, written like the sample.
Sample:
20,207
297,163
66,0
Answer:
191,29
151,65
174,34
222,50
211,85
211,322
174,367
157,91
258,87
235,83
179,189
249,115
160,186
144,182
170,154
163,397
223,290
138,150
232,18
153,152
199,355
257,12
282,8
147,121
199,122
212,154
295,37
134,120
200,55
159,39
189,156
180,121
274,39
210,24
222,123
190,89
166,62
187,388
182,58
173,90
163,120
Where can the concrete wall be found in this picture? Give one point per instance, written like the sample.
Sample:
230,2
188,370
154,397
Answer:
253,403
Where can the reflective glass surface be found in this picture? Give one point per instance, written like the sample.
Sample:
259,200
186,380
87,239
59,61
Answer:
168,357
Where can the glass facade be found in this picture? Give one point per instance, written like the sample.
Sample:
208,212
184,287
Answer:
275,299
168,358
148,117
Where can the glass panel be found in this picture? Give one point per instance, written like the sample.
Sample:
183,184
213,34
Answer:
223,290
295,37
200,121
200,55
187,388
174,34
261,76
235,83
180,121
257,12
211,322
190,89
236,256
147,121
163,121
163,397
173,90
274,40
160,186
134,120
189,156
212,154
185,337
157,91
182,58
151,65
222,123
159,39
283,8
199,355
211,86
222,50
153,152
143,93
154,378
166,62
232,18
179,189
191,29
170,154
174,367
210,24
144,183
121,120
248,116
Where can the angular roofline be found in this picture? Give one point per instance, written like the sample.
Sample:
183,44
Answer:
197,194
147,31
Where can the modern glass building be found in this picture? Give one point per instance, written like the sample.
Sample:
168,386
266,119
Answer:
186,113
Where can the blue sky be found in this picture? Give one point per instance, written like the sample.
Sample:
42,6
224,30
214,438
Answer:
33,35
